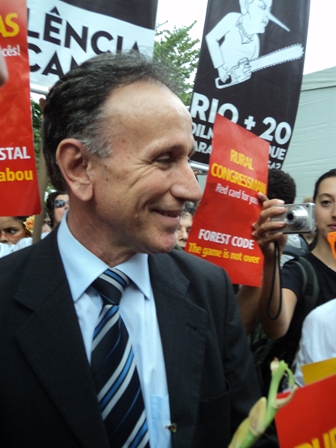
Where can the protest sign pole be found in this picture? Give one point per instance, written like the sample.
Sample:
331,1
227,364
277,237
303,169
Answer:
42,182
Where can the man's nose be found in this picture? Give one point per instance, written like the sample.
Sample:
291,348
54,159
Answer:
195,187
184,234
187,186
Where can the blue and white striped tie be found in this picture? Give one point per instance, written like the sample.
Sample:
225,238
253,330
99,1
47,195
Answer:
114,370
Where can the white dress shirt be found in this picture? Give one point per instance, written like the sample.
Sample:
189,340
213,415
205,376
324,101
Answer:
138,311
318,339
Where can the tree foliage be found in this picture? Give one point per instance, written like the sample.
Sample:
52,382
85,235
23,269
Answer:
37,123
37,120
182,52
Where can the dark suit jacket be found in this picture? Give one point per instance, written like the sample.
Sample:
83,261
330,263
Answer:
47,395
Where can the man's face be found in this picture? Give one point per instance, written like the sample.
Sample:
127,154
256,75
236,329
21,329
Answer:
183,229
141,188
259,11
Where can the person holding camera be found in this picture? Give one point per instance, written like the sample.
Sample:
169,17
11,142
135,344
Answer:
281,185
283,302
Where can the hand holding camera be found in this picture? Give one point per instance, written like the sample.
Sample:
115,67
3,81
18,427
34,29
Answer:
299,218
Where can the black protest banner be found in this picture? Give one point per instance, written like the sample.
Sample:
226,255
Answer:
250,71
64,33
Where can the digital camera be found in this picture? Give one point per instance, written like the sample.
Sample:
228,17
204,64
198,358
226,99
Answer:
299,218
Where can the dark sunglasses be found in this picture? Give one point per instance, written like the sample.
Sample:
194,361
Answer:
60,203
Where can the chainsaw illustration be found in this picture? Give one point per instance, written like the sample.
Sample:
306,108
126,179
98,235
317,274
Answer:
243,71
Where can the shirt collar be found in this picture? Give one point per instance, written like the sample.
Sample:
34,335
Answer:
136,268
81,275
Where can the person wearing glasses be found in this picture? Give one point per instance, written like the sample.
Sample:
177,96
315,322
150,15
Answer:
14,235
56,205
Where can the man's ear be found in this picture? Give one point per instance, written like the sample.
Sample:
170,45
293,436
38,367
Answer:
73,160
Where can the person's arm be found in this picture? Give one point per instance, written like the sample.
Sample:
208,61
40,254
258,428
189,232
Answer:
240,371
214,41
248,300
269,301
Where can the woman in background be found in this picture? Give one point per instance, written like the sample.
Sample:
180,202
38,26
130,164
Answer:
183,230
56,205
13,229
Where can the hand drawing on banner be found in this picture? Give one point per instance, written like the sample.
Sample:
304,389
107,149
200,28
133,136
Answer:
234,44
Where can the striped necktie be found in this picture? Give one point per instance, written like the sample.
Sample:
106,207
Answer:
114,370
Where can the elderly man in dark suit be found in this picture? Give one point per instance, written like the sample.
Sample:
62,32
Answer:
168,365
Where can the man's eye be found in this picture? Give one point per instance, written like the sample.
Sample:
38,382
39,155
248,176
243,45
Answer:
165,160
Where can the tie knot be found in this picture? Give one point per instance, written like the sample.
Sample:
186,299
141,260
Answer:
111,284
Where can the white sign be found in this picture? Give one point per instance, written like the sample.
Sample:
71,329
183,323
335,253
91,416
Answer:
62,36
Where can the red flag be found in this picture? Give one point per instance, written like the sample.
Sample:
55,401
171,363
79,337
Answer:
309,419
18,178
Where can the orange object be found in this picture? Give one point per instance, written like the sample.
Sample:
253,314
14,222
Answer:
332,242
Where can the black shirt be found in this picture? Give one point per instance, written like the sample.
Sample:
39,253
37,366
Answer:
292,279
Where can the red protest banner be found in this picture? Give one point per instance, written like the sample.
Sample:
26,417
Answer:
18,179
222,227
309,419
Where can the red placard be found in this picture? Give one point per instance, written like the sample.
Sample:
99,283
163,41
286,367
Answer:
18,179
309,419
222,226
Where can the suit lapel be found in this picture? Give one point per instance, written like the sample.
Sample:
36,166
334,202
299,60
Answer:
52,343
183,328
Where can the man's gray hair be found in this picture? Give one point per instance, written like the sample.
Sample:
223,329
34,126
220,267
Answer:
74,107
